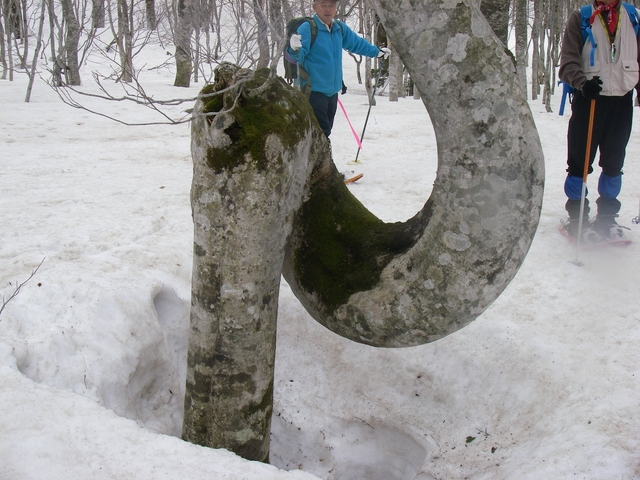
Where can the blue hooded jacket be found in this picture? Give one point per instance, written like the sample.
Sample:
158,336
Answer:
323,61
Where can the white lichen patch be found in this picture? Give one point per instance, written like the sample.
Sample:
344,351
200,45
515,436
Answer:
454,241
457,47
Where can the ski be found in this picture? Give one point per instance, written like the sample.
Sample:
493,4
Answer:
353,179
592,240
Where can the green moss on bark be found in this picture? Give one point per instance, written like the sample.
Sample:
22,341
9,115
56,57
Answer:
346,247
276,110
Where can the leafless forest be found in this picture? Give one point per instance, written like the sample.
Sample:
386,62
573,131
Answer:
54,38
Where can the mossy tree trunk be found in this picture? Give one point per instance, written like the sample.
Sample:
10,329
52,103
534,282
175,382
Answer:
253,155
408,284
267,199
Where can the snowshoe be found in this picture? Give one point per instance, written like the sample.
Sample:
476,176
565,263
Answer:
588,236
608,228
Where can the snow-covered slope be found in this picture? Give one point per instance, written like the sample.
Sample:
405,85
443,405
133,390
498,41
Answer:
542,385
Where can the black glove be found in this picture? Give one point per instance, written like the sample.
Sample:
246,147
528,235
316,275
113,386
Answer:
591,88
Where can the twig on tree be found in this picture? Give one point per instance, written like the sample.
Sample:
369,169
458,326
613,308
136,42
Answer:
17,290
139,96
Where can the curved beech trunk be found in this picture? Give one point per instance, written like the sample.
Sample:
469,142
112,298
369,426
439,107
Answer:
397,285
267,199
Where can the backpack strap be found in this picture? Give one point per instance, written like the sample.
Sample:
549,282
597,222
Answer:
633,16
314,30
585,27
304,81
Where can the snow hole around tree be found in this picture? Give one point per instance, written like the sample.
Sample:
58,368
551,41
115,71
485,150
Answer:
347,450
338,449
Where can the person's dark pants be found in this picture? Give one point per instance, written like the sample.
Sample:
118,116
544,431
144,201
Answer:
611,130
324,108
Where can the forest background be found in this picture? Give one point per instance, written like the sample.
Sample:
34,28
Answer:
54,39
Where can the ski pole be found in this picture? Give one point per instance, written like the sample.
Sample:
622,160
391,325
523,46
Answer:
373,93
636,220
353,130
583,194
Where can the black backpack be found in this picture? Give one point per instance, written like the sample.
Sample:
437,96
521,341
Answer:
291,67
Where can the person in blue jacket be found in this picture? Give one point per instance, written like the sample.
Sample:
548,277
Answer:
323,60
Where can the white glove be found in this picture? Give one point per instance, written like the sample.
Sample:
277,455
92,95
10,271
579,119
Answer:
384,52
295,42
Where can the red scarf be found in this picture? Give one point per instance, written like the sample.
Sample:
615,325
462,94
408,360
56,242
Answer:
612,18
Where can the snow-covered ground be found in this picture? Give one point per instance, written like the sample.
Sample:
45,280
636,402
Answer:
92,349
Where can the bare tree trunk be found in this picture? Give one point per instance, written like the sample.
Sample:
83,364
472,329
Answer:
23,32
521,43
370,31
553,40
365,30
358,61
97,14
263,38
497,14
536,69
13,19
217,15
183,31
71,42
368,80
58,66
150,14
196,53
395,81
32,73
9,41
3,48
124,38
385,285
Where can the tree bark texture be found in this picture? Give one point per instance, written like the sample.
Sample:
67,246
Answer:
497,14
397,285
522,27
537,67
71,42
184,28
150,14
252,158
395,80
125,39
262,34
97,14
267,199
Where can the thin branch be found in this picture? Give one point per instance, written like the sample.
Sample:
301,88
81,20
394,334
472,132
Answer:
17,290
141,99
